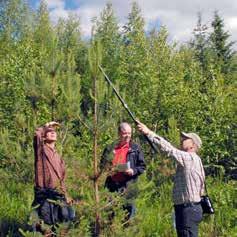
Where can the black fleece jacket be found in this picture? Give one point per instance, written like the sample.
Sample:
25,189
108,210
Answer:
135,156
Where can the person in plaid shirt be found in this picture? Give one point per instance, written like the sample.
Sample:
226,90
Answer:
189,179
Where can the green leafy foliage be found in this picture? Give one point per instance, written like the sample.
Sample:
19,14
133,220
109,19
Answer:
47,72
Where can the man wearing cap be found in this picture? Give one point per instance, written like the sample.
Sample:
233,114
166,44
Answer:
188,182
49,185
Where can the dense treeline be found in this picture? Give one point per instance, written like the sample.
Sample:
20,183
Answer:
47,73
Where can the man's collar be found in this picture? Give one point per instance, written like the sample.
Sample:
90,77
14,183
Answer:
122,145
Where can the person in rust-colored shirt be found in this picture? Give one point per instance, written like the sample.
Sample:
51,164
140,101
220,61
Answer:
49,166
50,178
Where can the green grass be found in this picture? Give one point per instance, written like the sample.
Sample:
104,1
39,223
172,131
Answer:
153,219
15,203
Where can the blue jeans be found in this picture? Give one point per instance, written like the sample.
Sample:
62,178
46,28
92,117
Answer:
131,209
187,219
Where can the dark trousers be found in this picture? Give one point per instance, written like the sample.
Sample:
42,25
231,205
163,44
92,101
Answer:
125,189
52,207
187,219
131,209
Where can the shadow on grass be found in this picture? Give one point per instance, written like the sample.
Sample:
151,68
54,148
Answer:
10,228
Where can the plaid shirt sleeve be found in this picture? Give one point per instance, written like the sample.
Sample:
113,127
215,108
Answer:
181,157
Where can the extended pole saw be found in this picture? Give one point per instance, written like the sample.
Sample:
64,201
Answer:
125,105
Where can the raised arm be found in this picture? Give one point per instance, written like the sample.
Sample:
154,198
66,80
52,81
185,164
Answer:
180,156
38,141
39,135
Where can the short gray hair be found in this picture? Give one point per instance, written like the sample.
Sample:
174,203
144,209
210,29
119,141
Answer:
123,125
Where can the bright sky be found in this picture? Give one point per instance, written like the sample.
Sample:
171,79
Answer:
179,16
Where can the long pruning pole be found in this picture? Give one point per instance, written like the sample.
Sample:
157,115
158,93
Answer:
125,105
118,95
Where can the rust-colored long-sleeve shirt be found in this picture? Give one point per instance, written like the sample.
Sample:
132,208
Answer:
49,166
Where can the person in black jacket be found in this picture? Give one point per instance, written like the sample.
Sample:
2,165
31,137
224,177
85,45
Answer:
125,162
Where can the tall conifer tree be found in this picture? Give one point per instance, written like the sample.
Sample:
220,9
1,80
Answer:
221,44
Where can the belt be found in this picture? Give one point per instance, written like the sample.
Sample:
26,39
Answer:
188,204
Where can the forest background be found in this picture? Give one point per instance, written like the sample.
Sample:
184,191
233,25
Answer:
49,72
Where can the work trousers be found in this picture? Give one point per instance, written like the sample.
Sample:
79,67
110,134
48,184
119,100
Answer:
128,190
187,218
51,206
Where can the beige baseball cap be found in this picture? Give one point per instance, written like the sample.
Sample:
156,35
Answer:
196,139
